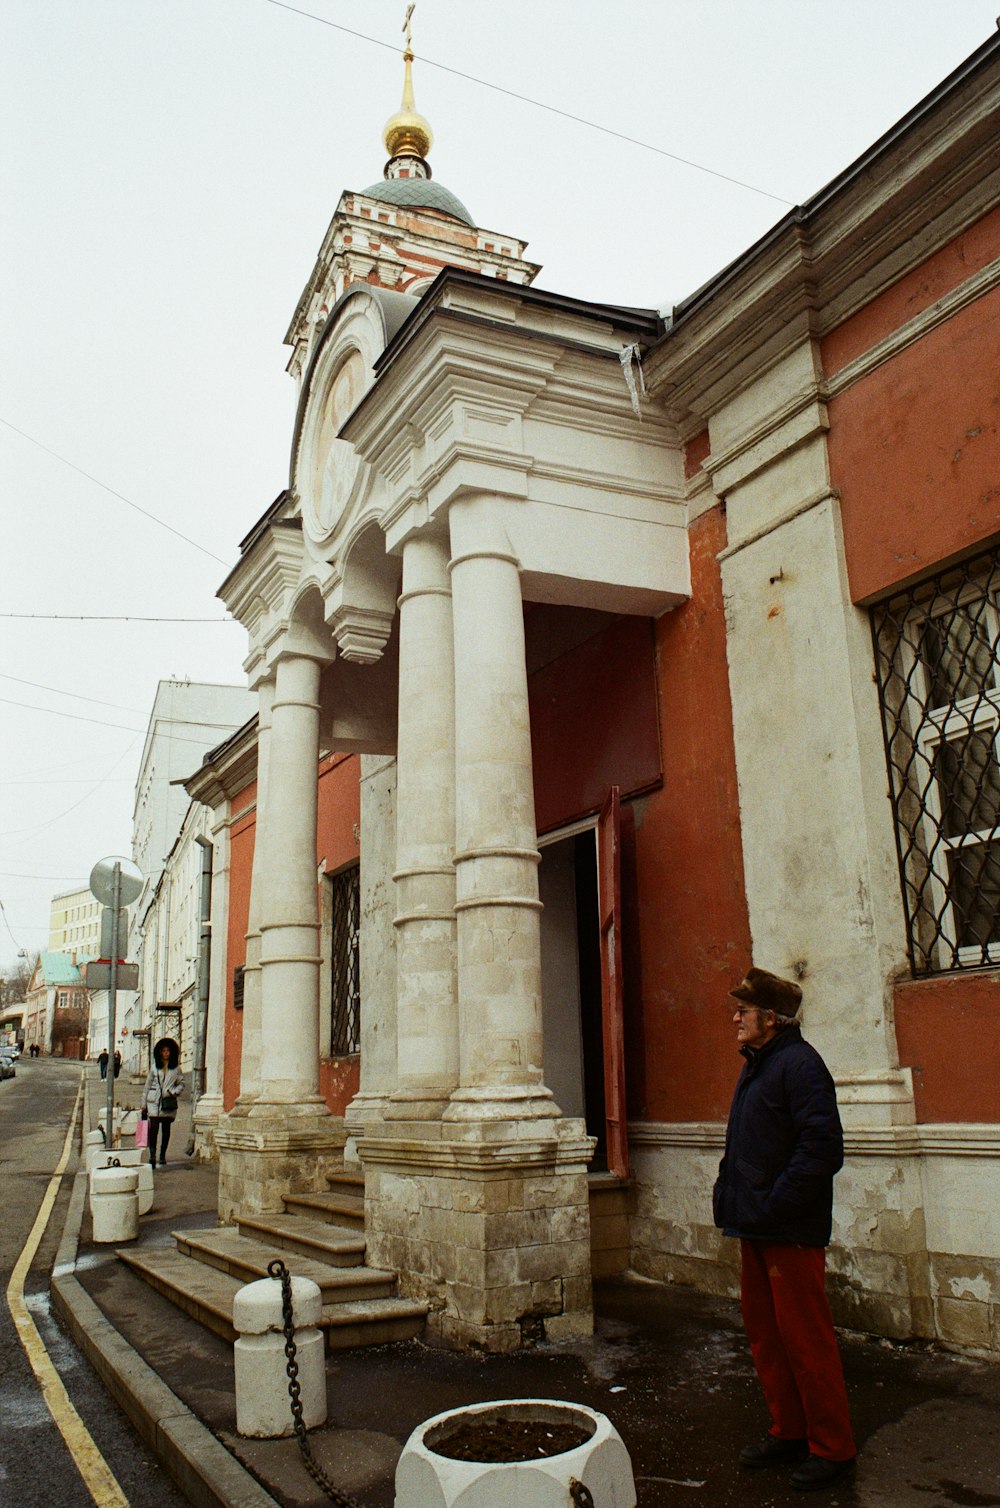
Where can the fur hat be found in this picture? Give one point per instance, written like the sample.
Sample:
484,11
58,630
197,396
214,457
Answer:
769,991
172,1049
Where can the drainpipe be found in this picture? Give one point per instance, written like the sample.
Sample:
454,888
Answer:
204,963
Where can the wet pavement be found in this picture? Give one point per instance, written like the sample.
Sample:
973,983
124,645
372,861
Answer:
669,1366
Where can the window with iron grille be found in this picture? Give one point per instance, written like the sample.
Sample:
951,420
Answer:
345,961
936,656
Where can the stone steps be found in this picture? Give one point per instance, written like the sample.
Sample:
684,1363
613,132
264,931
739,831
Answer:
337,1209
247,1258
206,1293
310,1238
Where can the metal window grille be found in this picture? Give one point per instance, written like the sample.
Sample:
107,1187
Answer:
345,962
938,674
238,987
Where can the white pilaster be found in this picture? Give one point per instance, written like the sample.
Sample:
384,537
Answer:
210,1107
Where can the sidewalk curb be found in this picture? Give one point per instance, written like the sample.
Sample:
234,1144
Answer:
204,1470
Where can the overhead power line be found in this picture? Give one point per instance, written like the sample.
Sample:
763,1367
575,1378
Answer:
77,717
119,495
538,104
77,696
109,618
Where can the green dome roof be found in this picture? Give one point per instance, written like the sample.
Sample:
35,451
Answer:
419,193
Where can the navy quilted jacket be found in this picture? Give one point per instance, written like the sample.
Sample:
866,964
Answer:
784,1143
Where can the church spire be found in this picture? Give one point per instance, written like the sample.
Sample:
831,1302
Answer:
407,134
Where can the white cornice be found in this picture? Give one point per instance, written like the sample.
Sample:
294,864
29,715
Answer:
943,1140
825,262
220,779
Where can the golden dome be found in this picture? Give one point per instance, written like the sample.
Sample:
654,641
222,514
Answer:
407,133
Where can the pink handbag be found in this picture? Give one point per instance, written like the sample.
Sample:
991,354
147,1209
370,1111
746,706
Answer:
142,1133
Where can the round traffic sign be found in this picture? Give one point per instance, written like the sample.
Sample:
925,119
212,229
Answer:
102,881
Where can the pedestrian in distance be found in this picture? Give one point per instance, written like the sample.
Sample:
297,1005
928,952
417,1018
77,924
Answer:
118,1064
164,1084
774,1194
102,1063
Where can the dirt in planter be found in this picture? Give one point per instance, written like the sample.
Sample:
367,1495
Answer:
507,1440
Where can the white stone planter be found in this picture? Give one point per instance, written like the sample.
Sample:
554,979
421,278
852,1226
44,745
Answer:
425,1479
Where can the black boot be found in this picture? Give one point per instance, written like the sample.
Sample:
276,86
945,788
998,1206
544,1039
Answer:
816,1472
773,1452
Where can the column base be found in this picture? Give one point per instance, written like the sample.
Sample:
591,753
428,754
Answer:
364,1114
489,1223
502,1102
417,1105
207,1114
264,1156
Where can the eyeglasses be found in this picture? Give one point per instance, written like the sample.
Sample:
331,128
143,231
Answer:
743,1010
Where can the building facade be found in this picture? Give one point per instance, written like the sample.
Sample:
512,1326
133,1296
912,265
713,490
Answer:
75,924
574,699
187,719
56,1007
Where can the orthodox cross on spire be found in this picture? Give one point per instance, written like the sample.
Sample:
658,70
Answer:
407,134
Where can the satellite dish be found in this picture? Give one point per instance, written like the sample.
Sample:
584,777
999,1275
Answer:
102,881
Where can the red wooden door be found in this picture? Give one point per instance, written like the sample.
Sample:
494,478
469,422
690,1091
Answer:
609,892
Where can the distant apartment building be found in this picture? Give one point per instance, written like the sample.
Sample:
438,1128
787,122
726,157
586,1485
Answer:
75,923
188,719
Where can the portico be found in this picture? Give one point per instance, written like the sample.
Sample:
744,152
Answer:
384,595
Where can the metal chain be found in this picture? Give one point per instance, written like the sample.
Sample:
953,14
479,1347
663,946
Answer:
279,1271
581,1495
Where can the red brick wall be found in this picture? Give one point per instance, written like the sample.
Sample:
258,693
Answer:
914,445
693,931
241,840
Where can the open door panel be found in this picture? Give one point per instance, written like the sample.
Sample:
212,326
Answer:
609,888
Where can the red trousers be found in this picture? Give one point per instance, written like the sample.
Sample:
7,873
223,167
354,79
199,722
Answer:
788,1323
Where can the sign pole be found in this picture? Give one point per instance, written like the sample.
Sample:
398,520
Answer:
112,988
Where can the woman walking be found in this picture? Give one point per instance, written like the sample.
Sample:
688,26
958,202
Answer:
163,1086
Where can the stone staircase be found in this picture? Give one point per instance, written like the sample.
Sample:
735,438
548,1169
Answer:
320,1236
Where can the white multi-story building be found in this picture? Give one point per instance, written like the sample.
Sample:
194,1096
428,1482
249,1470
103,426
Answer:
188,719
75,923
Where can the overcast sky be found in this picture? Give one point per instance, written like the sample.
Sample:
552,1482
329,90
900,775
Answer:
171,168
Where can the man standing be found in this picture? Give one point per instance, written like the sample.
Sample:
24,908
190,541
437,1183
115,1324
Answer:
102,1062
774,1193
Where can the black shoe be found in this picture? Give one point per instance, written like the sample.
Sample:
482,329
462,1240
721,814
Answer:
773,1452
817,1472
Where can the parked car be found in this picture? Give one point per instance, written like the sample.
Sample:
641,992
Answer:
7,1069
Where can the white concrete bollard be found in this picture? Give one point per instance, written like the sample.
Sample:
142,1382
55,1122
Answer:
93,1149
114,1203
137,1158
426,1479
263,1409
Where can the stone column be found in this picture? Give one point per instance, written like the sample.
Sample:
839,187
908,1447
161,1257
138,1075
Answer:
285,1140
250,1051
288,919
427,1018
496,860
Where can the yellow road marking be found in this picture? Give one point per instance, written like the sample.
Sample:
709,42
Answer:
93,1468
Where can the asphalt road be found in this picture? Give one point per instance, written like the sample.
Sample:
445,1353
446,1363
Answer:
36,1468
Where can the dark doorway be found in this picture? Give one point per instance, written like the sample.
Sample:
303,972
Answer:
571,982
